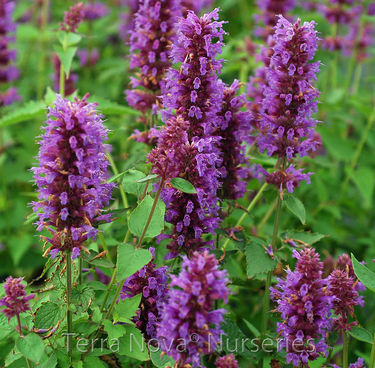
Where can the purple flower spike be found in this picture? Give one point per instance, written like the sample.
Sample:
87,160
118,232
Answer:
92,11
189,318
304,308
73,17
342,288
151,282
150,47
286,126
15,300
235,130
71,176
227,361
8,72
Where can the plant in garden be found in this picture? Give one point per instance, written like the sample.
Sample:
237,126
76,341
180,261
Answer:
189,316
304,308
150,43
15,301
8,72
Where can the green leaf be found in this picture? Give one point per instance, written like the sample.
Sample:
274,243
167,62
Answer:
295,206
139,217
127,309
66,57
112,108
50,363
161,361
130,260
366,276
69,39
50,96
252,328
47,315
304,236
147,178
30,110
115,177
130,182
258,261
31,347
361,334
364,179
113,331
183,185
99,262
93,362
133,344
82,297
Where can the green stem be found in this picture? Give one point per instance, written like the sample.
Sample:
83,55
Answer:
372,357
151,213
345,351
69,294
248,210
62,73
266,300
357,153
105,247
116,172
357,78
114,275
80,275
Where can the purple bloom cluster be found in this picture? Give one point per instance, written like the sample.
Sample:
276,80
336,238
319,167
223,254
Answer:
72,18
270,9
16,300
71,175
127,18
342,288
150,46
344,263
151,282
235,129
286,123
227,361
92,11
360,363
8,72
304,308
189,317
195,94
88,57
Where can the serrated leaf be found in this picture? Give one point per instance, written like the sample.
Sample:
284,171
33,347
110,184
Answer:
139,217
31,347
161,360
126,309
29,111
133,344
361,334
305,237
82,297
295,206
47,315
365,275
50,363
130,260
66,57
113,331
183,185
258,261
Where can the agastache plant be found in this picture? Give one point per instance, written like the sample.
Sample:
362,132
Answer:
71,176
150,43
194,94
190,317
8,72
227,361
290,99
304,308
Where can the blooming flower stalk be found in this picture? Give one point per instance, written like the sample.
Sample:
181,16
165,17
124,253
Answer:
189,315
235,129
342,288
270,9
150,43
15,301
227,361
304,308
151,282
71,176
286,124
72,18
195,94
8,72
